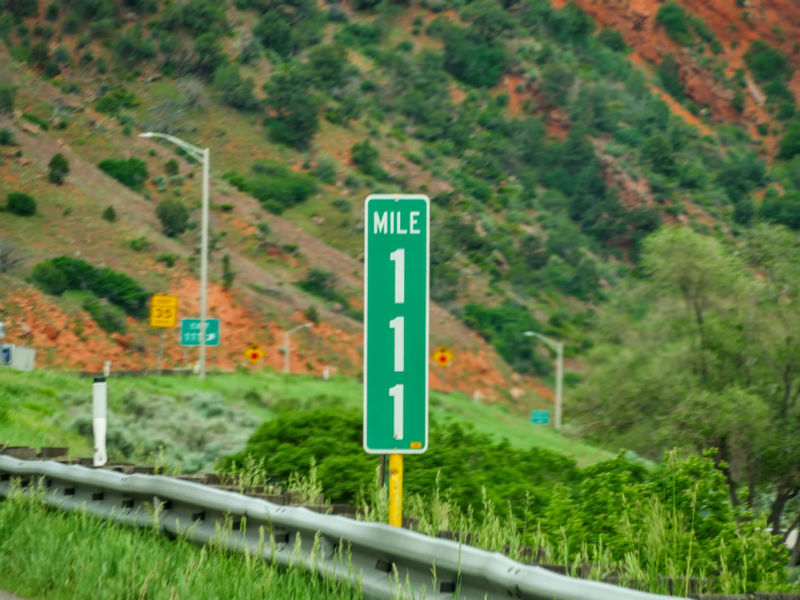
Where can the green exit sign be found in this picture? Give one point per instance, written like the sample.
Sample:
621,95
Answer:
396,284
190,332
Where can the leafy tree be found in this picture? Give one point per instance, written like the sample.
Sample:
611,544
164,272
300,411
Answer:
488,19
236,92
174,217
295,119
365,156
557,79
471,58
328,64
669,73
59,168
20,204
673,19
790,142
22,8
700,352
766,62
571,25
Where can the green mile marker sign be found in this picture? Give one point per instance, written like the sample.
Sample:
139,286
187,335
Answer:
396,285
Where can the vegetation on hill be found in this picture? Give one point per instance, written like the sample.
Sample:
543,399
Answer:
556,173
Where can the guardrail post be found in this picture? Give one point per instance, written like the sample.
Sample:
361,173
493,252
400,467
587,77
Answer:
99,420
396,490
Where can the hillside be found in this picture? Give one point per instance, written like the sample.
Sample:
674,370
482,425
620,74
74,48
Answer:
550,144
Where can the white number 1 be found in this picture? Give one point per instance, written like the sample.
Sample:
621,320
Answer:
398,326
396,393
398,257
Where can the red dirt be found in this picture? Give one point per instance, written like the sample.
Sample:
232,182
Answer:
775,21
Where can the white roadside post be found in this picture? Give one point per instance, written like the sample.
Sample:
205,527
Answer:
99,420
203,155
559,350
286,345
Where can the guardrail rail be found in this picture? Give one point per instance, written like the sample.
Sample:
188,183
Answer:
387,562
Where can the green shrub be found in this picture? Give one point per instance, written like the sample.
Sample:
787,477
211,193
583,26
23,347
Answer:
504,328
77,274
766,62
171,167
471,58
669,73
274,185
7,137
8,93
114,101
131,172
107,316
790,142
613,39
167,258
59,168
49,278
673,19
109,214
20,204
174,217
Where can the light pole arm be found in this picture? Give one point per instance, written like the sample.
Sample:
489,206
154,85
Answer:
197,153
554,346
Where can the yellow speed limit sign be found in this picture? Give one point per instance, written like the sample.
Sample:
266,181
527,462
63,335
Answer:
163,310
442,357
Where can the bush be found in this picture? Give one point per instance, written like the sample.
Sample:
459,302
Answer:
8,94
59,168
109,214
672,18
276,186
20,204
790,142
171,167
766,62
49,278
131,172
7,137
174,217
107,316
669,73
77,274
365,156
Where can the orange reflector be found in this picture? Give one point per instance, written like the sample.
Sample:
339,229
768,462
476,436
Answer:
415,445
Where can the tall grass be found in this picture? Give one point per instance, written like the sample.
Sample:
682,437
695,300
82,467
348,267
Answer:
71,555
661,542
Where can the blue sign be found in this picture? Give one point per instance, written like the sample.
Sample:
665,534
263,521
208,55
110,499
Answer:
190,332
540,417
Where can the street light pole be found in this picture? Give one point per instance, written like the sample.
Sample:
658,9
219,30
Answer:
203,155
559,349
286,345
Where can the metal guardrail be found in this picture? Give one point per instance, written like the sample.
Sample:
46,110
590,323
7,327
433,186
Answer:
386,562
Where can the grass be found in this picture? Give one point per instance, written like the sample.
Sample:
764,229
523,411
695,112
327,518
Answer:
188,417
76,556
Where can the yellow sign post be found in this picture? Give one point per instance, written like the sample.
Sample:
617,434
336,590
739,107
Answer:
163,311
396,490
164,315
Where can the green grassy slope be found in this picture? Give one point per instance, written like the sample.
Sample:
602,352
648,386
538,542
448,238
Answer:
195,422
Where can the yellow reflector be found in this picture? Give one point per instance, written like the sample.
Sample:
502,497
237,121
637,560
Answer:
416,445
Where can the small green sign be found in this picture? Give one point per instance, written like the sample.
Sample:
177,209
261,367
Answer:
190,332
540,417
396,284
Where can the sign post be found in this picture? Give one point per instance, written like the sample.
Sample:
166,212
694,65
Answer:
163,314
396,288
